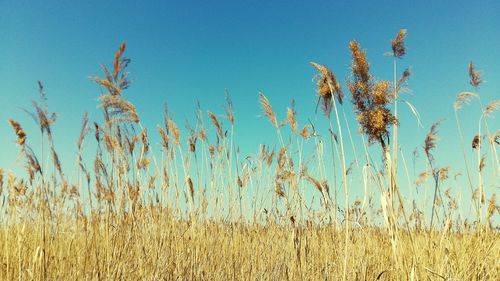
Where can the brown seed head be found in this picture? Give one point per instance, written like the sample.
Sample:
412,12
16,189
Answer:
431,138
229,108
282,158
190,186
21,135
268,109
164,137
202,134
403,79
216,124
476,142
145,140
328,86
380,92
491,107
117,66
482,163
305,132
119,109
175,131
422,178
398,44
463,99
371,99
475,76
84,130
443,173
193,137
359,66
291,116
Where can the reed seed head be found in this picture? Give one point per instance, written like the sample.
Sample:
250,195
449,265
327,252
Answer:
482,163
476,142
268,109
83,131
216,124
229,109
474,76
327,85
403,79
292,120
431,138
175,131
463,99
371,99
491,107
304,133
398,44
21,135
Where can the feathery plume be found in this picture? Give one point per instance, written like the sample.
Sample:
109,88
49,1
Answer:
403,79
229,108
292,120
164,137
475,76
491,107
84,130
191,188
371,99
21,135
119,109
482,163
216,124
327,87
463,99
175,131
117,65
422,178
476,142
398,44
116,108
431,138
304,133
268,109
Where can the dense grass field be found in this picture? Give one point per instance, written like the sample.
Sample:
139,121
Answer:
197,209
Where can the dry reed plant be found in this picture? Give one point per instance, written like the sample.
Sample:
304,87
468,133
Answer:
198,209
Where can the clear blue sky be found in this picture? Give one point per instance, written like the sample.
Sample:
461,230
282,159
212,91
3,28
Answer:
183,51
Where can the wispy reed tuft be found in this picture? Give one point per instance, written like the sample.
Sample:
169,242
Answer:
268,109
21,135
398,44
327,87
463,98
431,139
292,119
475,76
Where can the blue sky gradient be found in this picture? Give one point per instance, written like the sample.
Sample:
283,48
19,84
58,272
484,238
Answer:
188,51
